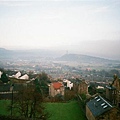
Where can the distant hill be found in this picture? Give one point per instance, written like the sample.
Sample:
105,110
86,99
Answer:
50,55
4,51
27,54
5,54
83,58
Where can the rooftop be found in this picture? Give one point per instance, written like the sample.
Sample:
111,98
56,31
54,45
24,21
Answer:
98,106
111,87
57,85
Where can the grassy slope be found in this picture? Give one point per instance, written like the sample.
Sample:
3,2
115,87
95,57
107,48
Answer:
65,111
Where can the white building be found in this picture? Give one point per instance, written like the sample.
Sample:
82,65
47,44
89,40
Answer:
24,77
69,84
17,75
0,74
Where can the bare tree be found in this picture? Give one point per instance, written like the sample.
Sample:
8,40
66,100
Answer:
28,103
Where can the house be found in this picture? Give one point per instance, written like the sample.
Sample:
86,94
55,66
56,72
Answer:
69,84
99,109
99,87
111,94
113,91
17,75
24,77
82,87
56,88
0,74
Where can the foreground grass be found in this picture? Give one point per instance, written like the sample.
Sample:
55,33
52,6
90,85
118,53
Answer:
57,111
4,107
65,111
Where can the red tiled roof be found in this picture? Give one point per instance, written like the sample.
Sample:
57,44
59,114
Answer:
57,85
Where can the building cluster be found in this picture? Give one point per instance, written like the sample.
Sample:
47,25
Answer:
97,108
18,75
59,87
108,108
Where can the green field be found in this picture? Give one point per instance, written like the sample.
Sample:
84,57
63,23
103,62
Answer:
57,111
65,111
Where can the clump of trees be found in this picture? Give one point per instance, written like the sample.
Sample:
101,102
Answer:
28,102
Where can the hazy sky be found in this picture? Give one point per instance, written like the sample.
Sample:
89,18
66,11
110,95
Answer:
88,26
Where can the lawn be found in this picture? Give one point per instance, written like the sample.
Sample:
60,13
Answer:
57,111
65,111
4,107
